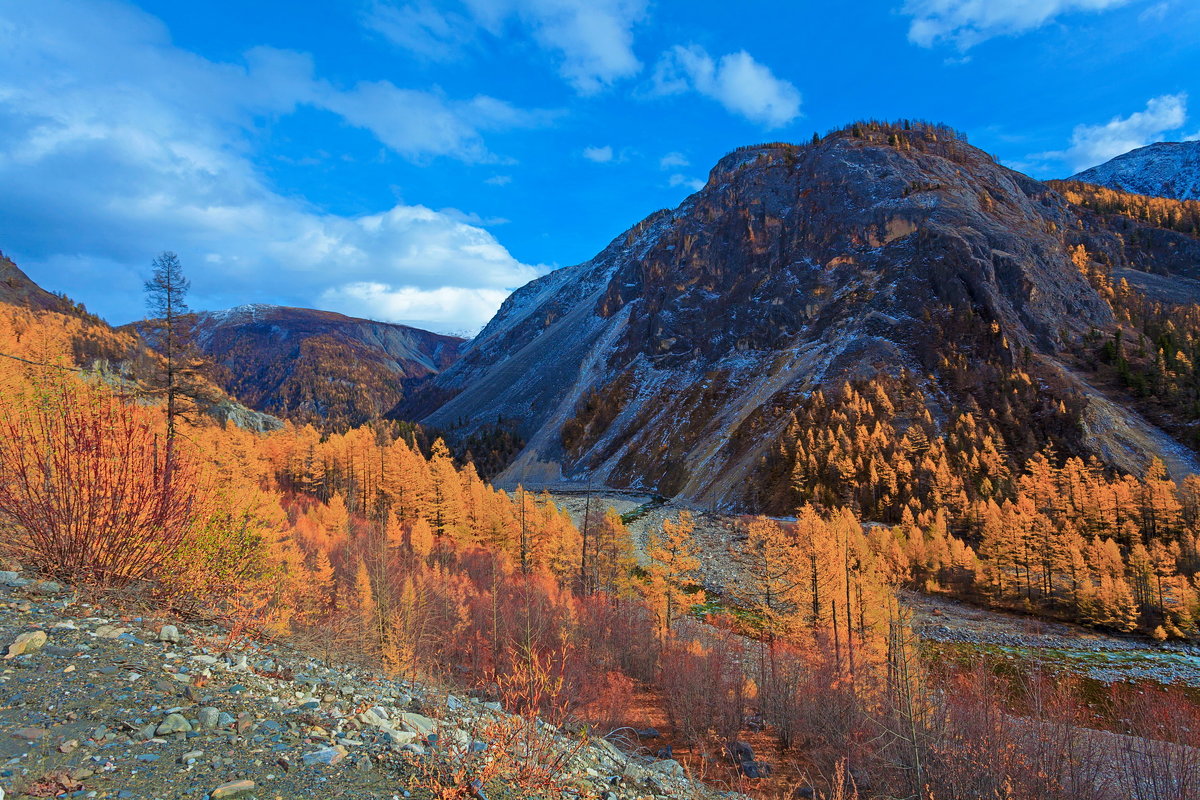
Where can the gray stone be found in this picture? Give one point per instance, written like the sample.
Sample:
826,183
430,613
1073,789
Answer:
13,579
209,717
174,723
169,633
417,723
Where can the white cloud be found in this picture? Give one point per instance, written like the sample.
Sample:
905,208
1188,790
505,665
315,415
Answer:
438,309
966,23
114,145
1095,144
601,155
736,81
419,27
673,160
416,123
695,184
592,40
499,180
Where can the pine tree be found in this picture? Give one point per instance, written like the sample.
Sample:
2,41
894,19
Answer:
170,323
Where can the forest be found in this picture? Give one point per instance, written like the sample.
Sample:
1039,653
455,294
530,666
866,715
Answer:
360,546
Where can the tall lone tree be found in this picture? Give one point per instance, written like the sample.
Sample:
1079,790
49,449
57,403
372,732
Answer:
166,299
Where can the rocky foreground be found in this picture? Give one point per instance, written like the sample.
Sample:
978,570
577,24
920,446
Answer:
97,704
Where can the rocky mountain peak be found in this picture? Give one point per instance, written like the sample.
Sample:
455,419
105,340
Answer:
670,361
1162,169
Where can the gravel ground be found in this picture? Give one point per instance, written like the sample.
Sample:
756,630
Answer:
94,704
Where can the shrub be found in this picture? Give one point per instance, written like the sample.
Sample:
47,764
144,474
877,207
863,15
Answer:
85,488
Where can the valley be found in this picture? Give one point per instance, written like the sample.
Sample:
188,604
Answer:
870,460
972,631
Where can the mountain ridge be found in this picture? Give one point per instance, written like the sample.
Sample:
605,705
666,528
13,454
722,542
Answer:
670,362
318,367
1162,169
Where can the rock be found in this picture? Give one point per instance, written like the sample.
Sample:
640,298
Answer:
226,719
399,738
232,789
670,767
417,723
169,633
328,756
110,632
370,717
47,587
13,579
30,734
648,733
174,723
209,717
190,756
26,643
804,793
739,752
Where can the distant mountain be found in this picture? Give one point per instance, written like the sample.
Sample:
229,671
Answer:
318,366
887,283
119,356
1163,169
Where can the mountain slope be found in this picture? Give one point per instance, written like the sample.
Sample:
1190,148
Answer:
319,366
1162,169
18,289
38,326
676,360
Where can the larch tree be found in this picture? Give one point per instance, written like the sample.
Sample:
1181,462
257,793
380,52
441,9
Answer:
673,557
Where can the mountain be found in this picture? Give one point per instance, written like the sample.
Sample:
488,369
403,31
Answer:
888,276
18,289
41,322
1162,169
318,366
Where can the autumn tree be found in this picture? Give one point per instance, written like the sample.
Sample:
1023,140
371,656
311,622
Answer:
673,561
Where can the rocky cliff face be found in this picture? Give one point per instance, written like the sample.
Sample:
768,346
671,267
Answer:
1162,169
318,366
668,362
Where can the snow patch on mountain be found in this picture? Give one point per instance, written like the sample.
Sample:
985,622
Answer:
1163,169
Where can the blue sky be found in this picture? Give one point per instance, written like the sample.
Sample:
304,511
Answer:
416,161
